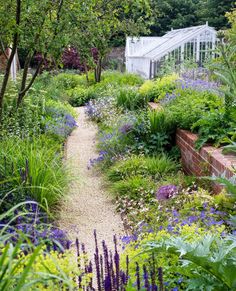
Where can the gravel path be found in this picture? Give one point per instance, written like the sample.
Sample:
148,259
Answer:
87,206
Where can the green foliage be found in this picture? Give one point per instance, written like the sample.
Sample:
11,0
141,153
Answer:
181,13
134,186
120,79
229,183
210,258
226,72
155,167
190,105
229,149
130,99
156,90
79,96
156,133
24,122
160,122
50,270
24,266
47,176
213,127
68,81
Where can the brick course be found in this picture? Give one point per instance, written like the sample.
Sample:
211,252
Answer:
205,162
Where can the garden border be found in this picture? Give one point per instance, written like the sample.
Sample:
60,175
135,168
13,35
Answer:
207,161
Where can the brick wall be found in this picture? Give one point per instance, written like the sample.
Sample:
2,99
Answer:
206,162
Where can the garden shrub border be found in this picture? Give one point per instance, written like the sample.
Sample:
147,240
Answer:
207,161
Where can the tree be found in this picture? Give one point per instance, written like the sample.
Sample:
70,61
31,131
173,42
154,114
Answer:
185,13
10,33
97,22
214,11
174,14
35,26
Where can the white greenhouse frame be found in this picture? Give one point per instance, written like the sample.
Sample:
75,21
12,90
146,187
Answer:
145,55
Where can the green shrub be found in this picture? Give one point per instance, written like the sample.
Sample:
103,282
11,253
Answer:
189,106
154,90
214,128
208,260
47,176
160,122
118,78
155,134
60,108
155,167
134,186
130,99
67,81
81,95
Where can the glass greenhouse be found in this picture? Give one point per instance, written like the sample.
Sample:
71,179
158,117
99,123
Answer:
145,55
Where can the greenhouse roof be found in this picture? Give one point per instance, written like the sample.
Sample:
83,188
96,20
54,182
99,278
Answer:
159,46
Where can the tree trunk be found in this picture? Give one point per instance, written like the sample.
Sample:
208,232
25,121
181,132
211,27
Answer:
11,57
98,71
22,93
86,72
24,78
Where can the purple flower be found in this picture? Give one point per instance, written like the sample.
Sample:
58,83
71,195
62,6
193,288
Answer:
166,192
126,128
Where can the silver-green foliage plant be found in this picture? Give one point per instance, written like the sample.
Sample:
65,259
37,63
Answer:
210,259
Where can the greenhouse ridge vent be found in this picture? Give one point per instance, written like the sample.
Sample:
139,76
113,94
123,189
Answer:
145,55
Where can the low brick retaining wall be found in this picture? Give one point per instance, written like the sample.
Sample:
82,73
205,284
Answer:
206,162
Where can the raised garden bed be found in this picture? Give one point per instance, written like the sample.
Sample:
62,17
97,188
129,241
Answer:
205,162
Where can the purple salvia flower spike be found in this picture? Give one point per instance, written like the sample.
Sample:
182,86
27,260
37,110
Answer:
138,277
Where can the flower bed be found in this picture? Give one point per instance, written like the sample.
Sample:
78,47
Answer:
205,162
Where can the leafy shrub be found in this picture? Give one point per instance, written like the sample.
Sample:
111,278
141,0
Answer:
45,171
160,122
52,270
118,78
133,186
213,127
155,167
155,133
67,81
156,90
190,105
209,260
130,99
81,95
25,121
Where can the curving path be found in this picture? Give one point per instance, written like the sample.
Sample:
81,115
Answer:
88,206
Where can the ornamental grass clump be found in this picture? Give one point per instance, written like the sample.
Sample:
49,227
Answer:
154,167
45,171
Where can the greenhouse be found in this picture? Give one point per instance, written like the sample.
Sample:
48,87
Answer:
145,55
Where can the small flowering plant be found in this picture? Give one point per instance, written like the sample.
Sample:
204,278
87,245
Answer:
166,192
35,225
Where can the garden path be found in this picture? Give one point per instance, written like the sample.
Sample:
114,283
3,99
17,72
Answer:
88,205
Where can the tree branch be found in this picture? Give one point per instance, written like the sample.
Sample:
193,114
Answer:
11,57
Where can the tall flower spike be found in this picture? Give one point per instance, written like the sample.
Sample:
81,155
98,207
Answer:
117,263
102,272
97,265
160,278
138,276
146,278
113,277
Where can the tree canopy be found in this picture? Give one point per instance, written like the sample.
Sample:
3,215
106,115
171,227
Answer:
184,13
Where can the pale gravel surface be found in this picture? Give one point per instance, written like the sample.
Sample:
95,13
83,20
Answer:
88,206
